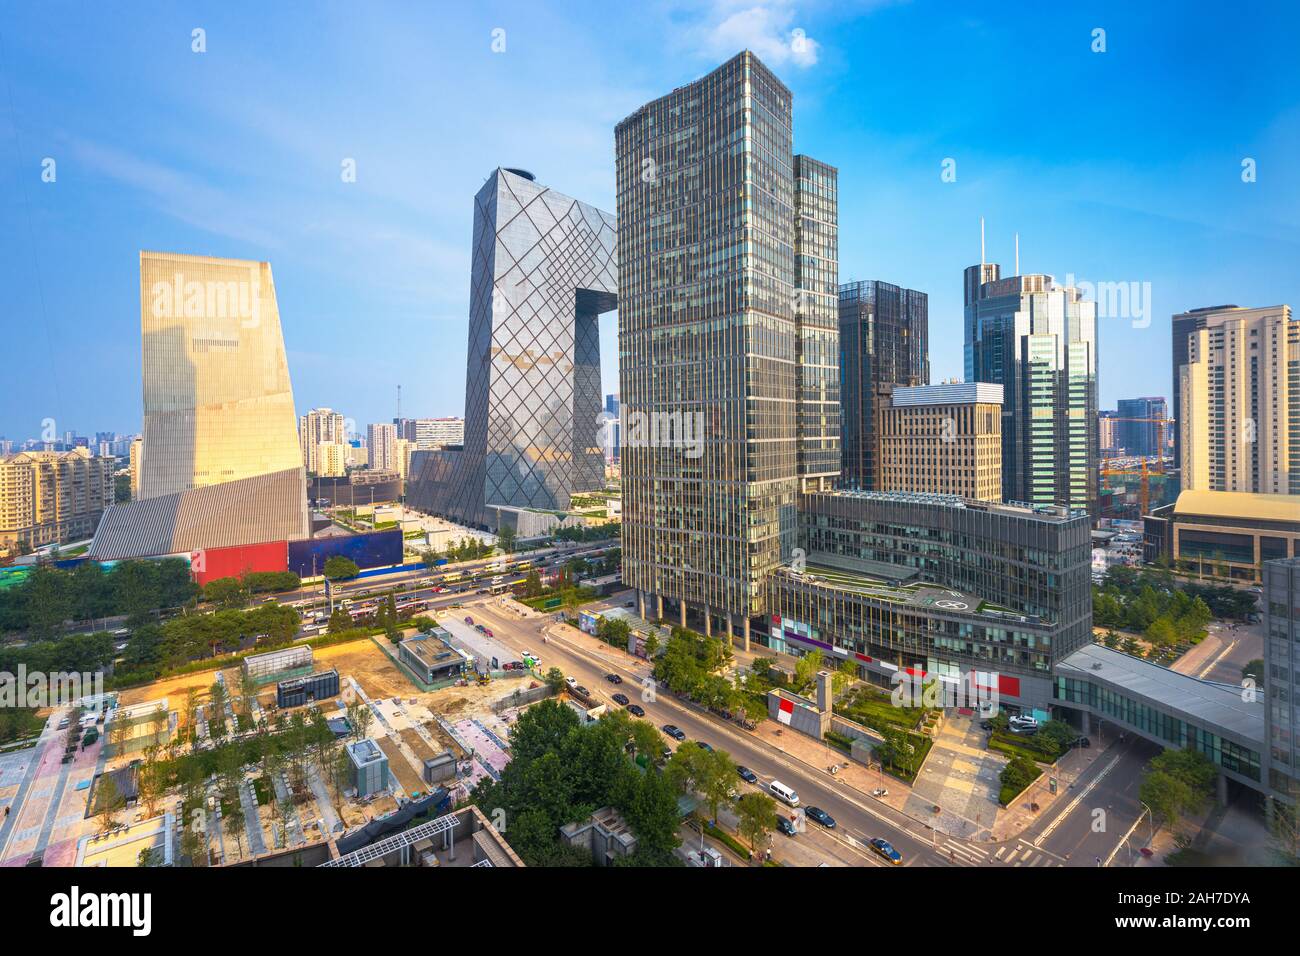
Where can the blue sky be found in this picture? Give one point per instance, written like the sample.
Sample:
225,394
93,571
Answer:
1121,166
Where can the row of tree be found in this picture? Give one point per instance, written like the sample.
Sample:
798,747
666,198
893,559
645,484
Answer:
49,598
236,592
1166,614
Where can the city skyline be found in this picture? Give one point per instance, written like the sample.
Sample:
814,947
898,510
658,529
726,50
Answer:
393,251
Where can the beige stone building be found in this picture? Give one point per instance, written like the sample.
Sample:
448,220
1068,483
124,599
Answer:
49,497
1240,402
940,439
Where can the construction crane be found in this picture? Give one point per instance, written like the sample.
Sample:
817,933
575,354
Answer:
1149,464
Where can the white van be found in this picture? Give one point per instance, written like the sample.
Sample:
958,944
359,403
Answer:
779,790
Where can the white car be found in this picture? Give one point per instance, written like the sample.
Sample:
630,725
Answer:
1023,723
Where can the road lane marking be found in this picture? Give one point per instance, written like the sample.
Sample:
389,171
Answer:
1075,802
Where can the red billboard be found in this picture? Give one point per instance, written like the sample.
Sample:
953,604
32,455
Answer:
238,560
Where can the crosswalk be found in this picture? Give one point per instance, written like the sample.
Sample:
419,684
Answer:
964,854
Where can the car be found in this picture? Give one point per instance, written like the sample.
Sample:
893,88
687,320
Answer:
621,700
786,826
581,691
747,775
703,746
886,849
673,731
488,631
1081,741
821,816
613,678
636,710
468,619
571,681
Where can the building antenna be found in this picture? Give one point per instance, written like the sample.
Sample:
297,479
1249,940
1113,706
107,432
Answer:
399,402
1017,253
981,240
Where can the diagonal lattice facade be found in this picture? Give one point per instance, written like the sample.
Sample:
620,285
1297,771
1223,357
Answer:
544,268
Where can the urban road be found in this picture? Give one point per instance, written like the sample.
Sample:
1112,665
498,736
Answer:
1067,834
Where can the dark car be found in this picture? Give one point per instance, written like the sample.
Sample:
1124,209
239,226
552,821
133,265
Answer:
821,816
886,849
582,691
786,826
1081,741
673,731
747,775
636,710
703,746
620,699
613,678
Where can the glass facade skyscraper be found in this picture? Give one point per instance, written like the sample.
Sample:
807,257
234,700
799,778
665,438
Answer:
884,340
816,276
543,270
1038,341
709,332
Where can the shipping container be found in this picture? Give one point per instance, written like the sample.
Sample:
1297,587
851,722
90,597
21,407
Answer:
301,690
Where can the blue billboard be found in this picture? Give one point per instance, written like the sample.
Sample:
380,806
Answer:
379,549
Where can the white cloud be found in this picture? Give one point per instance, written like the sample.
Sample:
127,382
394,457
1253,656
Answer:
769,29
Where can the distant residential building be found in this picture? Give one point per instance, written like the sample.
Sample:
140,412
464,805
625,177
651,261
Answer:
1182,326
1143,439
137,457
884,335
1239,395
320,426
405,449
1038,340
381,439
331,459
940,439
432,433
52,497
1108,434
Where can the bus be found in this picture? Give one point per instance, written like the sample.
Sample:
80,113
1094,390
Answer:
500,585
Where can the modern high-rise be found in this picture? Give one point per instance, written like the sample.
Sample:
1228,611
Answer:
709,338
1181,326
884,340
381,440
1038,340
1239,396
1108,434
1281,606
136,459
544,269
428,434
940,439
220,461
52,497
320,426
816,279
1143,427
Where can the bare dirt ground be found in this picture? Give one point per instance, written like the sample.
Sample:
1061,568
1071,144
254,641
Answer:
413,740
400,767
371,667
175,688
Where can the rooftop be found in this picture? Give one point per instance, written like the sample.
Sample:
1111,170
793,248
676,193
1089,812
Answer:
432,649
1239,504
1205,702
1020,509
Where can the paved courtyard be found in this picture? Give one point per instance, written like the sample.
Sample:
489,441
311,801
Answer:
961,777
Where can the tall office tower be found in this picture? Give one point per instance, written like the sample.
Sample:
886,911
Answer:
1142,439
381,439
884,340
611,405
708,335
1239,396
816,279
1038,340
544,269
51,497
221,463
218,405
972,280
940,439
1281,605
1108,434
320,426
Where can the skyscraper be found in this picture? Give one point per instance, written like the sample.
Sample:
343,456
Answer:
884,340
1181,326
381,439
709,337
940,439
1281,607
1038,340
543,270
1239,395
220,462
1143,439
816,279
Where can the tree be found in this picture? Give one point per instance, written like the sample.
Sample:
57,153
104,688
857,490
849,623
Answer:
226,593
554,679
339,568
340,621
234,819
359,718
757,817
506,539
805,670
109,803
646,740
1177,783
